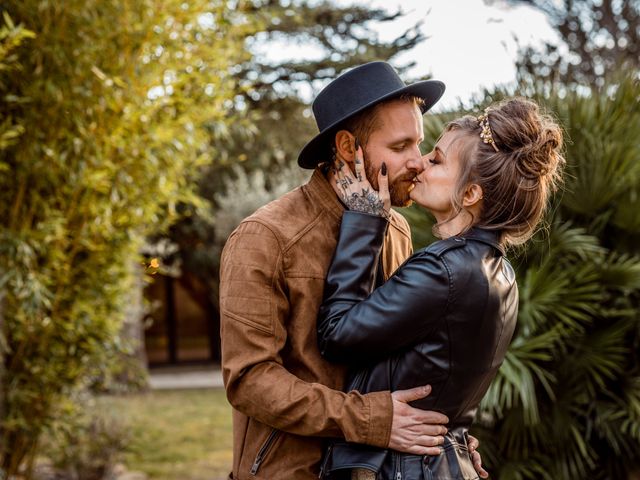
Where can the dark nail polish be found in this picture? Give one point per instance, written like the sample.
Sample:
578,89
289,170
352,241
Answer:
357,143
384,169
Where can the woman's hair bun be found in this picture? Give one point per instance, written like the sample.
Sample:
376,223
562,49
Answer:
532,138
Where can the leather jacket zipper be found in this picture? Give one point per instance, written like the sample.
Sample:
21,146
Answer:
262,453
327,455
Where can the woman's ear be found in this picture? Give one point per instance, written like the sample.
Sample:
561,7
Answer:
345,146
472,195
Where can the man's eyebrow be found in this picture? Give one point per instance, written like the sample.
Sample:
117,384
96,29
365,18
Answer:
404,140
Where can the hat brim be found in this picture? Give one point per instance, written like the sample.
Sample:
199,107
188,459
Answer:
317,150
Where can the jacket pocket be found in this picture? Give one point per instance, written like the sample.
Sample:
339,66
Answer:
343,456
264,451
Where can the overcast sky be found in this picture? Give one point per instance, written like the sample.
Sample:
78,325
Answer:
469,45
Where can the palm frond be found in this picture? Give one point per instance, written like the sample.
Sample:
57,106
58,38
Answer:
621,272
554,293
598,358
520,374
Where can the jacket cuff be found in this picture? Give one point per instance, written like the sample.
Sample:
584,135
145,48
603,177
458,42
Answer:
361,220
380,419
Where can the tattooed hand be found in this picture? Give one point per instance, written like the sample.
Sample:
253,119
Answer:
366,201
356,191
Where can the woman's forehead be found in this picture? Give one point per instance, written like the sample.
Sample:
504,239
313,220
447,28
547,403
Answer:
451,139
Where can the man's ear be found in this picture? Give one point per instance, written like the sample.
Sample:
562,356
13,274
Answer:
472,195
345,146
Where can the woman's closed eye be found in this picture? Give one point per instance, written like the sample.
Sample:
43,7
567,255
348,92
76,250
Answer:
436,157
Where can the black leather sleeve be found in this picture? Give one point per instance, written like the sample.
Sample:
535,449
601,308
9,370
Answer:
356,324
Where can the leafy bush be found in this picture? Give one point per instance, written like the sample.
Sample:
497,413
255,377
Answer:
104,107
89,445
246,192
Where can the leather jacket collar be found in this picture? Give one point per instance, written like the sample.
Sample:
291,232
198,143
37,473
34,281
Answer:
490,237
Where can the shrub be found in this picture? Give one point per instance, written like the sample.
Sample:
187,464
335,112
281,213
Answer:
89,445
103,107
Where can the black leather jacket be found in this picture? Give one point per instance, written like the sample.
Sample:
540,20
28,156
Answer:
445,318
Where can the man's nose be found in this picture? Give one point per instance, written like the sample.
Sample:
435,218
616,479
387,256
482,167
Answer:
416,163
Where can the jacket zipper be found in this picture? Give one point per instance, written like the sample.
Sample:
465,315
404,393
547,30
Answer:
325,461
398,462
262,453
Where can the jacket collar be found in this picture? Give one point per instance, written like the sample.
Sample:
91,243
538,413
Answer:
322,194
490,237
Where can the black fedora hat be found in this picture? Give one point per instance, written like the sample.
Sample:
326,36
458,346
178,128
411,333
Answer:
352,92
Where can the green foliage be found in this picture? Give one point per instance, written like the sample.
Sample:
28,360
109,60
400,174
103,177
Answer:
565,404
103,106
11,36
596,37
89,444
247,192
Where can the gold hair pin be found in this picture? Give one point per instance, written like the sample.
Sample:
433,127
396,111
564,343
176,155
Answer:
485,134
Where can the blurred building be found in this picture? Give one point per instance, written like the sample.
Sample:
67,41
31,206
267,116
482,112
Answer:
182,327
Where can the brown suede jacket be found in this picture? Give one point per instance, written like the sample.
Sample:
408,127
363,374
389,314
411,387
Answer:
285,396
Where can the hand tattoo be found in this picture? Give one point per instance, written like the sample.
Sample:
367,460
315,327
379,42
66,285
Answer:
367,202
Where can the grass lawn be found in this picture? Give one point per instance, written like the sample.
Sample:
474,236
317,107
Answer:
176,434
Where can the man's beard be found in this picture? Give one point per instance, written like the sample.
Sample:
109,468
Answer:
399,188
